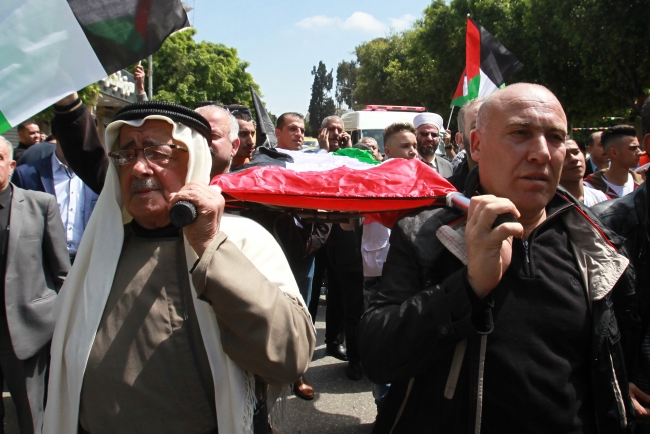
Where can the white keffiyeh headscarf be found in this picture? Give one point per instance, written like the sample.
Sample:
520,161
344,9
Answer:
82,299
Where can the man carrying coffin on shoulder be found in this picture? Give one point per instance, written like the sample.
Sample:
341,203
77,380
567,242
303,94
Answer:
164,330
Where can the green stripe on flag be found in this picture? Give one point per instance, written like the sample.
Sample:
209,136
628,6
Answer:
4,124
358,154
472,92
121,30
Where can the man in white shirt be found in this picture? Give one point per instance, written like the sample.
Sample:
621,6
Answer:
75,200
573,172
622,147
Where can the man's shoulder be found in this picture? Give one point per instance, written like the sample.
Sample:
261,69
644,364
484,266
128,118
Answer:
37,152
444,162
243,231
418,230
34,166
621,214
32,196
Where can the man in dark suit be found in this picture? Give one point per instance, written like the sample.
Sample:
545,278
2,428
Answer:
35,262
76,200
598,159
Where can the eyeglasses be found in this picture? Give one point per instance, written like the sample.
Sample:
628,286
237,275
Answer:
433,135
156,154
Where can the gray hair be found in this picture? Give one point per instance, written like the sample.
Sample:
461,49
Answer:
461,114
9,146
367,139
234,125
330,118
363,146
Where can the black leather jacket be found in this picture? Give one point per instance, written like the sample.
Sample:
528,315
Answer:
409,335
627,216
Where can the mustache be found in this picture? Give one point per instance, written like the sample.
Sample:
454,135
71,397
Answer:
144,184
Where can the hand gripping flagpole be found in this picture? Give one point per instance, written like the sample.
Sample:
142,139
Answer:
461,203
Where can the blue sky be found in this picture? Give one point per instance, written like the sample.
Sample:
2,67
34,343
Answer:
283,41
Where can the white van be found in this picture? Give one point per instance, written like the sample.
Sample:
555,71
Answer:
371,121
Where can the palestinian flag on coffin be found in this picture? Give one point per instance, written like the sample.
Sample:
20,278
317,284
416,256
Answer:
51,48
488,65
348,181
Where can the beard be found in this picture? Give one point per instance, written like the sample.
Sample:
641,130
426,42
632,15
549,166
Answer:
426,152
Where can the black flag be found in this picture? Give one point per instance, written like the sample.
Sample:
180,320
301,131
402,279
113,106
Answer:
265,128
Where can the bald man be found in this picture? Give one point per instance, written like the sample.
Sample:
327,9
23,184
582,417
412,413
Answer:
512,328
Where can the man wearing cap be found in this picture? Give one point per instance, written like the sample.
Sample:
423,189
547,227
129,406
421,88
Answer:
429,127
162,330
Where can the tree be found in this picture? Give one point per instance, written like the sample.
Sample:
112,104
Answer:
591,53
187,72
346,83
321,104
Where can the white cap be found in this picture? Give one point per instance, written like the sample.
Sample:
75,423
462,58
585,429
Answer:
429,119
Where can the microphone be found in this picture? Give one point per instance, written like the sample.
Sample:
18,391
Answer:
182,213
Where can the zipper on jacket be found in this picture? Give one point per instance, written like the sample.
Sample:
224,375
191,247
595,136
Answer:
528,244
526,250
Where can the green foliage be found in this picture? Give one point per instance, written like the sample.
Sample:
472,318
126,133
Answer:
321,105
346,83
593,54
187,72
88,95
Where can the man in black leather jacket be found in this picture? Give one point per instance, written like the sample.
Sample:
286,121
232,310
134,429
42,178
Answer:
628,217
479,330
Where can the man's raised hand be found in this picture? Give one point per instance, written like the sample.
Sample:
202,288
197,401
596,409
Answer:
209,205
489,251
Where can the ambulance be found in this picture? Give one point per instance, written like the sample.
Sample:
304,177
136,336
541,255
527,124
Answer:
371,121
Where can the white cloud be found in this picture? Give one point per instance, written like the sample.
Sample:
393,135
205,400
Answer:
318,21
359,21
402,23
364,21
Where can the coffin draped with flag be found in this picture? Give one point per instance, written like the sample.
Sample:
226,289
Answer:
338,183
488,65
51,48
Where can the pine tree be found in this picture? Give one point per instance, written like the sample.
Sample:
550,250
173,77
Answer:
321,104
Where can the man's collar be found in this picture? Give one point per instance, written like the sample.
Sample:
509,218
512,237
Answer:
5,197
58,165
169,231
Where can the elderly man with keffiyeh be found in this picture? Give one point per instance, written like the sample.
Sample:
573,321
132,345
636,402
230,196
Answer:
167,330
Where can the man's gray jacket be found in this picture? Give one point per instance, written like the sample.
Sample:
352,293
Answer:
37,265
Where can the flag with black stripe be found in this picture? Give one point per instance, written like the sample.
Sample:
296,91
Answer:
51,48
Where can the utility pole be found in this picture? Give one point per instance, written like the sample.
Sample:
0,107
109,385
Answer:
150,73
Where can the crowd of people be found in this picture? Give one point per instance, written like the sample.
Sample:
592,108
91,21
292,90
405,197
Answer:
115,320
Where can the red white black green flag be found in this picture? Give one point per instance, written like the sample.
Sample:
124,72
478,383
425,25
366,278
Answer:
488,65
50,48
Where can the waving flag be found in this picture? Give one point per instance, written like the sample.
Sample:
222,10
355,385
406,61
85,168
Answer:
488,65
338,183
265,134
51,48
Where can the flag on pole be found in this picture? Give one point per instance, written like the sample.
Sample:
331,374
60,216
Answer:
51,48
265,128
488,65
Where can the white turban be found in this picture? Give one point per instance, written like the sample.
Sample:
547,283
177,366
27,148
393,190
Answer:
429,119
